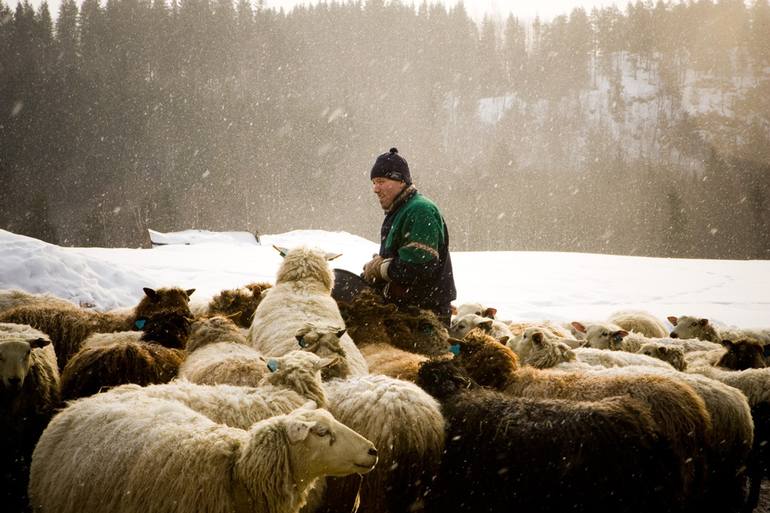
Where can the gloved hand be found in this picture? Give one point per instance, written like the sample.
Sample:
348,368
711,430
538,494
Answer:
372,270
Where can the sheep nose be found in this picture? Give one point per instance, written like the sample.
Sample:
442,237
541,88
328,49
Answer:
372,452
14,382
674,335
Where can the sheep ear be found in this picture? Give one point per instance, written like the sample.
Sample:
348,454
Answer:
281,251
578,326
189,292
537,338
703,322
341,332
504,339
331,256
727,343
672,319
150,293
38,342
298,429
663,350
489,312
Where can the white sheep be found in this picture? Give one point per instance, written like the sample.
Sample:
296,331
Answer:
475,308
639,322
29,394
291,381
462,324
704,329
145,454
602,335
301,296
523,341
604,358
406,425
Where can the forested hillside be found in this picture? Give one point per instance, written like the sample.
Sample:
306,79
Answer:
644,131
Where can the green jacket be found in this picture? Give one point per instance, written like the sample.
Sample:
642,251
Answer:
414,235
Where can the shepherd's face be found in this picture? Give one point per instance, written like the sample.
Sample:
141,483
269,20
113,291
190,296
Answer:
386,190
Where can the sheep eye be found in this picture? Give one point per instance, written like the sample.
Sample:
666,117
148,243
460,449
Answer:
604,333
321,430
693,324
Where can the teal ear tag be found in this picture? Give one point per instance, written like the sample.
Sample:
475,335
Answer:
139,324
455,349
272,365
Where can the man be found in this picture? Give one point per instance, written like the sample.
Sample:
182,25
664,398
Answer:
413,267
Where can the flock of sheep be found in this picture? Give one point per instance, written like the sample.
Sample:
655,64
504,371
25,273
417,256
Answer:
277,398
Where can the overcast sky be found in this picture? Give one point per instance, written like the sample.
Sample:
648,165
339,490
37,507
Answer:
526,9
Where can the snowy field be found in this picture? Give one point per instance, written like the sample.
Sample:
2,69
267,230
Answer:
521,285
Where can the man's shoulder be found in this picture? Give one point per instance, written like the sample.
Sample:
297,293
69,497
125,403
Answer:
421,202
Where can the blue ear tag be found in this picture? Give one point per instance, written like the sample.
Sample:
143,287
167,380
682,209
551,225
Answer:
455,349
301,342
139,323
272,365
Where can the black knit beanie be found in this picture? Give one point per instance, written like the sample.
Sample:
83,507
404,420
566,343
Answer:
391,165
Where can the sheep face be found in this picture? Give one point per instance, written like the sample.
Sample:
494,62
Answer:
417,331
167,328
603,336
742,354
296,367
475,308
174,299
443,378
319,445
674,356
690,327
548,353
461,325
324,341
15,359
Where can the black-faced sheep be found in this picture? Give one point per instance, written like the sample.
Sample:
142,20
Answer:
405,424
301,296
370,320
678,411
640,322
69,327
545,455
146,454
29,394
742,354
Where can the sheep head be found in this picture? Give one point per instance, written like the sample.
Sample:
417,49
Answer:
164,299
673,355
324,341
301,372
417,331
487,362
742,354
16,358
693,327
306,266
443,378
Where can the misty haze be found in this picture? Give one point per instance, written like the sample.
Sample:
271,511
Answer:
641,131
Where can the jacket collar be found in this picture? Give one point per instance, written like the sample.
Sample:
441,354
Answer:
402,198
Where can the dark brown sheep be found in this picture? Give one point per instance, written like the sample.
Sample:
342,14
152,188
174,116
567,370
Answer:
676,408
370,320
97,368
69,327
742,354
529,455
238,304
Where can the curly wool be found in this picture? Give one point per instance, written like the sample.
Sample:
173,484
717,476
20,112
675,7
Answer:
406,426
301,296
224,469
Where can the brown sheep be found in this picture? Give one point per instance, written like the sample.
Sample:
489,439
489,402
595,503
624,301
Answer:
742,354
675,406
370,320
69,327
392,361
238,304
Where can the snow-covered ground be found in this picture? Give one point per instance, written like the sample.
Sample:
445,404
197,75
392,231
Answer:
521,285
